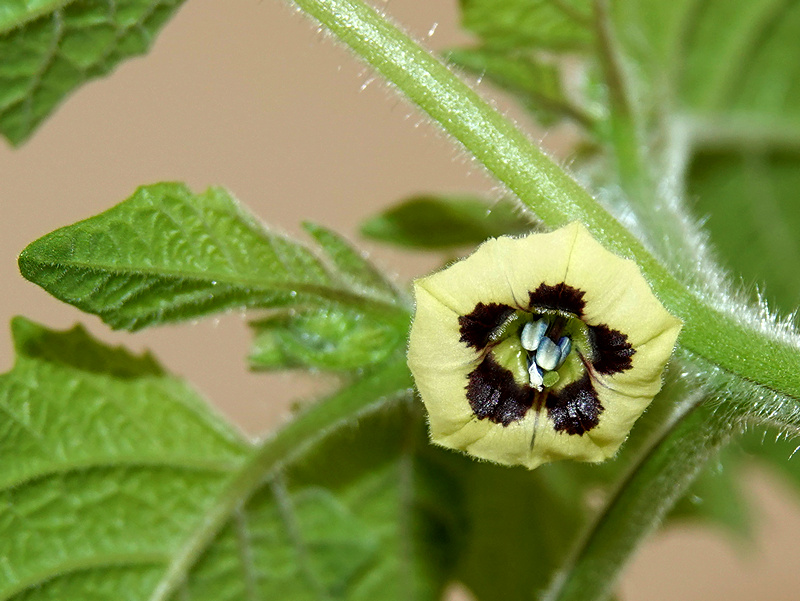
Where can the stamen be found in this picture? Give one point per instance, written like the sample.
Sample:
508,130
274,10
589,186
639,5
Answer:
532,334
545,356
564,347
548,354
535,374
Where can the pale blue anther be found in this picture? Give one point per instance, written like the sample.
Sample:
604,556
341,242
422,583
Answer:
548,354
532,334
536,376
564,347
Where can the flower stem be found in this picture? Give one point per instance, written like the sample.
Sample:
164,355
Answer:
660,478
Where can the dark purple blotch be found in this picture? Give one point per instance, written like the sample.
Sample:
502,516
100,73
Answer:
613,353
560,297
494,394
575,409
477,326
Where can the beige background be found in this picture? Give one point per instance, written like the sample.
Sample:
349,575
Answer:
248,94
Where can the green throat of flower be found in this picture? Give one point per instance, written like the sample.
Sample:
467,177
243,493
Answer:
543,349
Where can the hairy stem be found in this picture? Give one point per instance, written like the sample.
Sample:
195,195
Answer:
659,479
549,190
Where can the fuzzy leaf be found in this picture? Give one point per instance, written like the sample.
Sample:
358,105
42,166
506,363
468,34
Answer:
390,477
166,255
722,61
552,24
442,222
107,463
737,54
521,525
119,481
332,339
48,48
352,265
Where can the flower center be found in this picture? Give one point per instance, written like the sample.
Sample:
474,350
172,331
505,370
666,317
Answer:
542,349
547,350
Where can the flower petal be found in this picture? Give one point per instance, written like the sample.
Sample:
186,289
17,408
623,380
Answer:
617,295
464,284
440,362
533,260
475,399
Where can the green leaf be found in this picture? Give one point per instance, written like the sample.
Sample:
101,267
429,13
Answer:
552,24
725,62
521,525
352,521
737,54
721,66
351,264
118,480
331,339
403,489
48,48
443,222
750,197
166,255
107,461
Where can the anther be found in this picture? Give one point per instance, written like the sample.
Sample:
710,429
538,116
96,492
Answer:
548,354
564,347
536,376
532,334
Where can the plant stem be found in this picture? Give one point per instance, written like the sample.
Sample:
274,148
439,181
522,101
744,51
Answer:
549,190
659,479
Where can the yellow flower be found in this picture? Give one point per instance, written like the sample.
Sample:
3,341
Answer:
537,349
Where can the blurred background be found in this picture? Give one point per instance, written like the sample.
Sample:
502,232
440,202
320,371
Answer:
250,95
